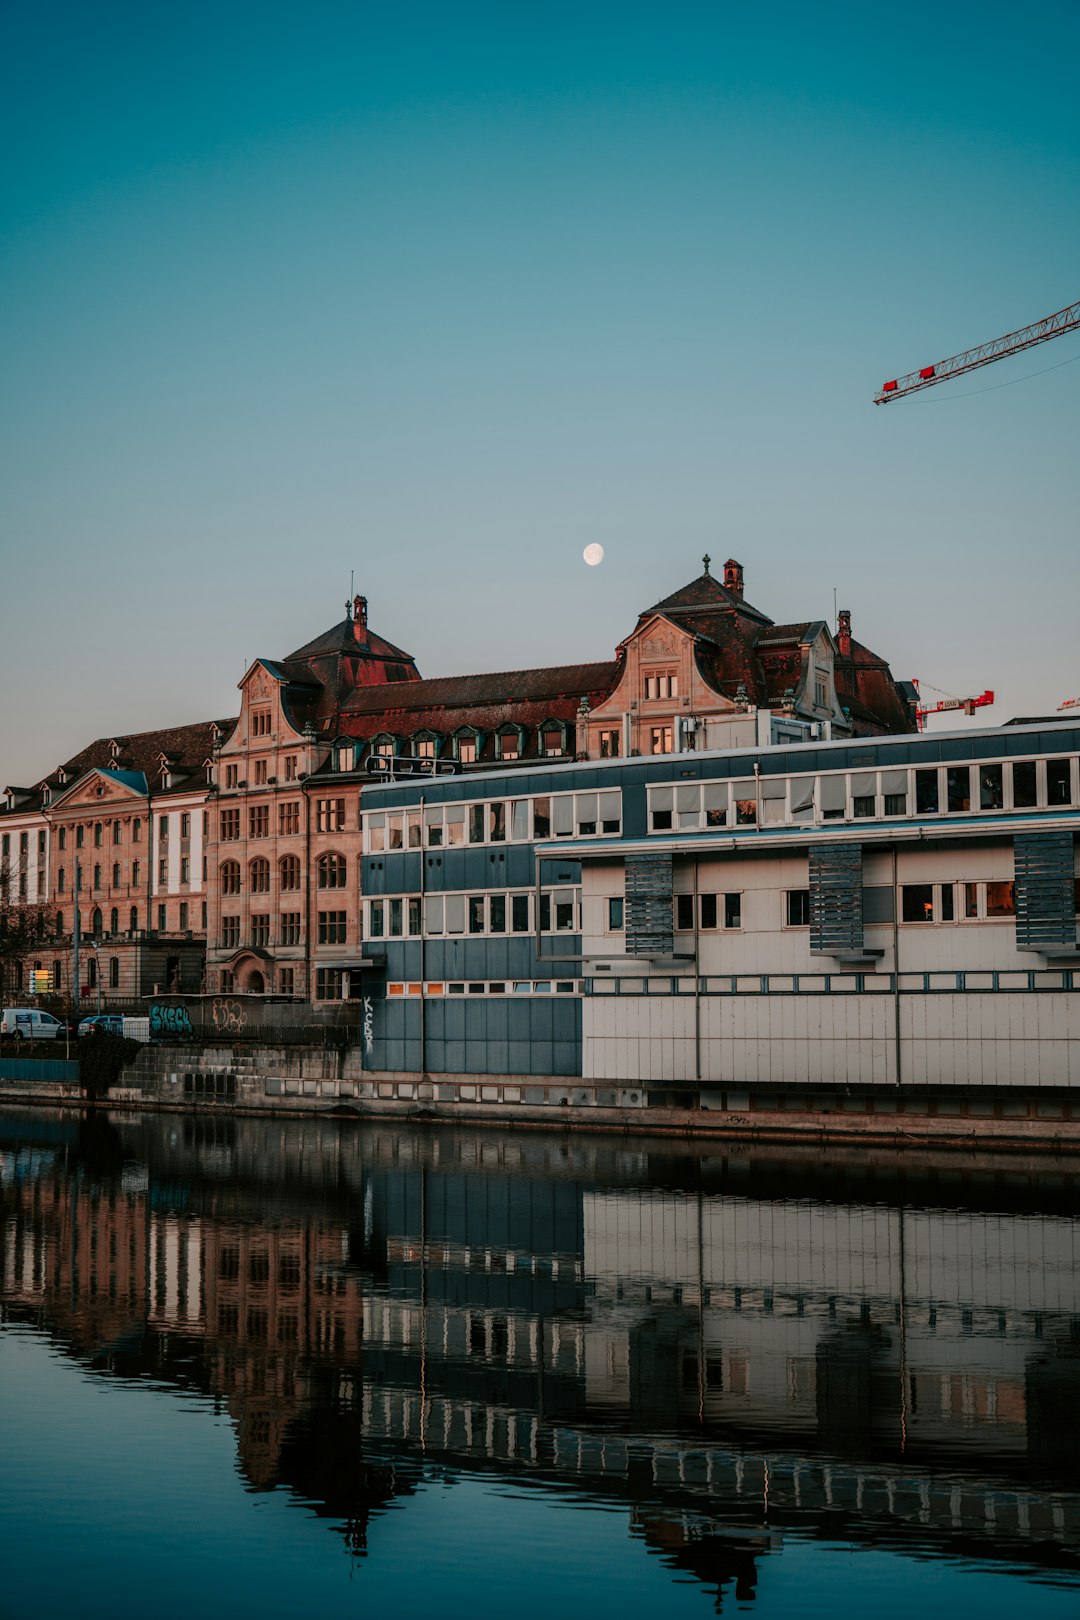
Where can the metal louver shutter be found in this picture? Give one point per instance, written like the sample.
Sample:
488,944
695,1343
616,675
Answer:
1045,907
836,913
649,905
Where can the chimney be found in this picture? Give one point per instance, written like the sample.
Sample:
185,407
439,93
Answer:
843,632
359,617
733,577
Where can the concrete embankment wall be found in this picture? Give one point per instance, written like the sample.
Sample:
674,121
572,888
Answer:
308,1080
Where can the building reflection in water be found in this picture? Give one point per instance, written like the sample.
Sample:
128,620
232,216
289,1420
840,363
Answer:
732,1350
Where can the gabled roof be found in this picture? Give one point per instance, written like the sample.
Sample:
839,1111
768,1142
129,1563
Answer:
344,638
704,596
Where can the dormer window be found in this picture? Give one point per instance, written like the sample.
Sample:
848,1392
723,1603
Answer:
509,742
425,745
345,756
383,746
61,776
260,722
554,737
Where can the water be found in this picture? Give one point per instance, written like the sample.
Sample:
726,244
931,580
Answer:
313,1366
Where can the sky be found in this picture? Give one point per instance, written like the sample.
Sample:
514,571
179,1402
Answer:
432,297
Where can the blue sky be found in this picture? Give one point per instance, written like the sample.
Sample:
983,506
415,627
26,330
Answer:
439,294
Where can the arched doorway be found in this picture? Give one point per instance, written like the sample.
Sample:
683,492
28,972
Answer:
255,984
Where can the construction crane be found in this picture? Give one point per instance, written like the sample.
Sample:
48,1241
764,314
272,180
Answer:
1066,320
968,704
1069,703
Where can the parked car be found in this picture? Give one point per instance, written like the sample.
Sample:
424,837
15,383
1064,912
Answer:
102,1024
28,1024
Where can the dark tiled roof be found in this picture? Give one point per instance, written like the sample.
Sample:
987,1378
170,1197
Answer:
704,595
507,689
343,638
785,632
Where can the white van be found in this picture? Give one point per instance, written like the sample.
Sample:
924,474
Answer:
27,1024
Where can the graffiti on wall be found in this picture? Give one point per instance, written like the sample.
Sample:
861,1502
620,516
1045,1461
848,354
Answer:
369,1025
169,1021
229,1017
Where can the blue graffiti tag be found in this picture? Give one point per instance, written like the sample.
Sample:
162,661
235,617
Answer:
169,1020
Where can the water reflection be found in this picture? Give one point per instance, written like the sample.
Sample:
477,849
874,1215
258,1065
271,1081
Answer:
728,1351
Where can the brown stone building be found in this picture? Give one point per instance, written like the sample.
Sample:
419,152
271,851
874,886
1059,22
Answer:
241,838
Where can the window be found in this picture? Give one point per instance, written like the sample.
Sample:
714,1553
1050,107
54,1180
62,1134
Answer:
476,913
328,984
684,912
259,821
497,914
116,835
259,876
63,840
79,836
424,747
554,740
163,871
917,902
999,900
289,872
136,830
184,917
331,871
864,805
230,825
896,804
519,914
330,815
97,834
114,921
116,875
733,911
229,876
261,770
958,788
97,875
376,919
610,744
286,981
332,927
660,740
133,920
290,928
95,922
185,869
260,722
136,873
797,908
185,825
260,931
289,816
745,812
926,793
1058,784
615,913
292,767
508,745
230,933
1025,793
345,757
663,684
466,750
162,919
232,775
163,828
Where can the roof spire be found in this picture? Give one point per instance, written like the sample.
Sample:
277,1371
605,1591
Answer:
706,560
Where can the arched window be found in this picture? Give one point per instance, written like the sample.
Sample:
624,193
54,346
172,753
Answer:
58,975
114,921
289,872
91,972
114,973
133,923
59,924
331,871
230,877
259,876
95,923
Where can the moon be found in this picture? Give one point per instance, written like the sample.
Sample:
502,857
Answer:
593,555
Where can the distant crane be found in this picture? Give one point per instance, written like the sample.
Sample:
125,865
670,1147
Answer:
1069,703
968,704
1012,343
